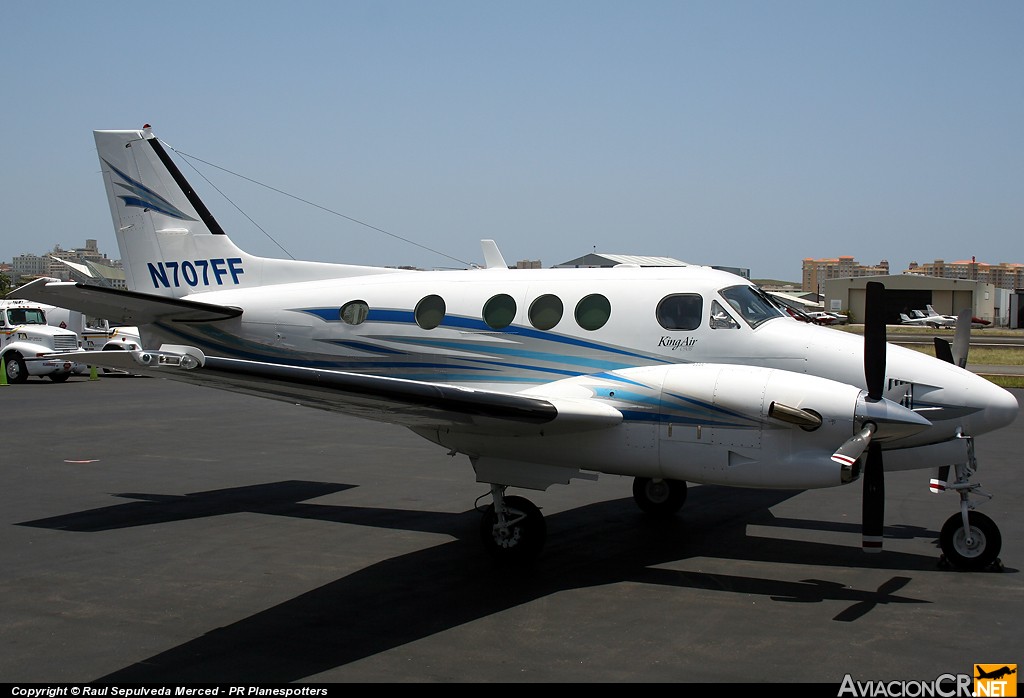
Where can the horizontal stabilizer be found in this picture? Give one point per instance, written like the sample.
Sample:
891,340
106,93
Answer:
119,306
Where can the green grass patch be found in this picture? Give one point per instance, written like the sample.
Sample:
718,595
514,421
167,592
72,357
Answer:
989,356
1007,381
976,333
1008,356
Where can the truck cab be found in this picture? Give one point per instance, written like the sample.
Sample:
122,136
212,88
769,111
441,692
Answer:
26,341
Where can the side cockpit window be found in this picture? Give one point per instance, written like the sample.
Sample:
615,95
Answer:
721,320
681,311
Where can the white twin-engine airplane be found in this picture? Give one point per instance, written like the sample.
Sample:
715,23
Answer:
666,375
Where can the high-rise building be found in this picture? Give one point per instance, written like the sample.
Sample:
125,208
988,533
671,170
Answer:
1003,275
817,271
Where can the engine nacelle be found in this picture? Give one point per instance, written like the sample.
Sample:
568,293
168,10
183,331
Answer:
745,426
755,427
739,425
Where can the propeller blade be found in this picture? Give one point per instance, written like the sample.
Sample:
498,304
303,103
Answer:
940,482
873,512
962,338
874,339
851,450
898,392
943,350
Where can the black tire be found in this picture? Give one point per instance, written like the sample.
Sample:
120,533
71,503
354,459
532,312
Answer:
986,541
14,365
661,498
523,541
59,377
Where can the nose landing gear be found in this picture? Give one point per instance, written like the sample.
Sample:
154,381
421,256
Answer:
969,539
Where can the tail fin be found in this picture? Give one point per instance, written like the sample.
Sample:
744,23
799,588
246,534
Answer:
170,243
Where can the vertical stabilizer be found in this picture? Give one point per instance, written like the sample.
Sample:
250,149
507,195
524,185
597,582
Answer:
170,243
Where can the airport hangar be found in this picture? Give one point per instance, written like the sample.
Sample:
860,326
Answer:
907,292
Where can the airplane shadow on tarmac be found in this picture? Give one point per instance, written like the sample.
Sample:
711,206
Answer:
419,594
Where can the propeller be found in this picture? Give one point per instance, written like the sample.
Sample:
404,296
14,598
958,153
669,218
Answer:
873,503
881,417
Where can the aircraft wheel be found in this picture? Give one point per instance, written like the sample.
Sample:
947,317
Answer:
983,548
59,377
522,540
659,497
14,365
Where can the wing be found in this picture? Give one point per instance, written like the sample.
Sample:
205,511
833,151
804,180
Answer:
415,404
120,306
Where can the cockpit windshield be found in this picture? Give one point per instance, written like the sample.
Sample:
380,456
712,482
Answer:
751,304
26,316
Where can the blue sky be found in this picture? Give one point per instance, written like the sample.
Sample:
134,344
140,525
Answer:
747,134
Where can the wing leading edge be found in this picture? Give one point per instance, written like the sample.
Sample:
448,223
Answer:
415,404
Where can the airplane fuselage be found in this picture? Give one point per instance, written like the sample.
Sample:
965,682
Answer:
517,330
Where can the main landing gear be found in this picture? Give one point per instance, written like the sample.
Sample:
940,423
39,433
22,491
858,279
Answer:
657,497
512,528
969,539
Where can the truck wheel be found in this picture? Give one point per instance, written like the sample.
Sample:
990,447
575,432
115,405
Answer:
14,365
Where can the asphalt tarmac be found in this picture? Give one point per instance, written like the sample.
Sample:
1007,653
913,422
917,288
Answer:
158,532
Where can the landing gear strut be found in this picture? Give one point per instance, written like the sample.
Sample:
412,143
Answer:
512,528
969,539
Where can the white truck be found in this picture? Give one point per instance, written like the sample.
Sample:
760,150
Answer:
26,340
94,334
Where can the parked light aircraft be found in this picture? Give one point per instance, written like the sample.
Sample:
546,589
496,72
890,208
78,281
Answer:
667,375
952,320
923,321
936,320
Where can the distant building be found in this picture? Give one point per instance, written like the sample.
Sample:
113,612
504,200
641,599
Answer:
28,265
89,253
1003,275
905,293
93,273
528,264
817,271
51,264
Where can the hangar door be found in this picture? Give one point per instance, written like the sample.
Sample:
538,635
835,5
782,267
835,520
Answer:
905,301
896,302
